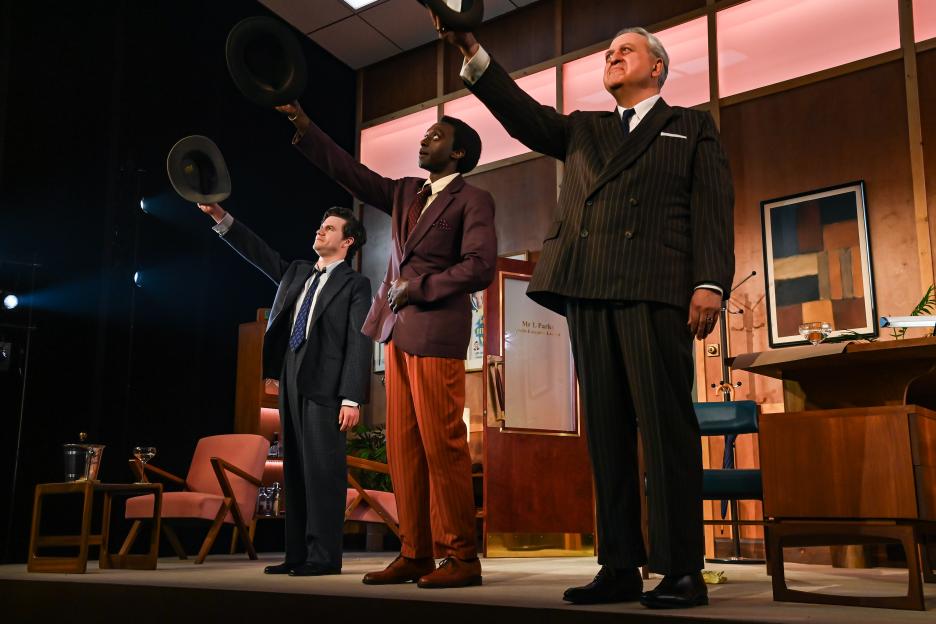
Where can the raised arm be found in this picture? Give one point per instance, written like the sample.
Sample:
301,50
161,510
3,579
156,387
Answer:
539,127
366,185
243,240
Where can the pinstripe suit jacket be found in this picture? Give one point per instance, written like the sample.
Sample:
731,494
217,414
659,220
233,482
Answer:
644,217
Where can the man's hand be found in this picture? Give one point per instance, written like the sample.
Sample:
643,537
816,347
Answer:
295,114
464,41
348,417
397,296
215,211
703,312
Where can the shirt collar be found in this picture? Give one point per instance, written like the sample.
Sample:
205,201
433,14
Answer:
441,183
640,108
330,267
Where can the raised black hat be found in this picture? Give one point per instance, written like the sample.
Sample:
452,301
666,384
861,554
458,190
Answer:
465,18
266,61
197,170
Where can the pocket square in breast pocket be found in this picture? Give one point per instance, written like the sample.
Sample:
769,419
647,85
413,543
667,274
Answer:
443,225
675,136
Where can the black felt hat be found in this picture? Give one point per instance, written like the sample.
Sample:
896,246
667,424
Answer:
465,19
197,170
266,61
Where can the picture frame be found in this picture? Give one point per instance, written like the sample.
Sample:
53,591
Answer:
378,357
817,263
474,358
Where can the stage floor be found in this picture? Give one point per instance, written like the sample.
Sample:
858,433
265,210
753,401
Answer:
514,590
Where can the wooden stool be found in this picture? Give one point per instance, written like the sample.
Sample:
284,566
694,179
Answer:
85,539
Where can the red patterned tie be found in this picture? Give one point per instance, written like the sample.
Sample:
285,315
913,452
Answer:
415,209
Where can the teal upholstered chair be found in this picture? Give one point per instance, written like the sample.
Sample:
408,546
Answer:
730,484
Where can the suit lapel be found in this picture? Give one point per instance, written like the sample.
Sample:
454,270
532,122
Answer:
632,146
336,279
303,271
432,214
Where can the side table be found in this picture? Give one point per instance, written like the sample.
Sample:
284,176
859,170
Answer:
78,564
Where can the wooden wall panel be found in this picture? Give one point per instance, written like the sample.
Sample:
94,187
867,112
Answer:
926,69
401,81
586,22
525,200
374,258
843,129
518,39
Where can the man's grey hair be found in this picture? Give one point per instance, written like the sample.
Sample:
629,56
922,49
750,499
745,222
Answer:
655,45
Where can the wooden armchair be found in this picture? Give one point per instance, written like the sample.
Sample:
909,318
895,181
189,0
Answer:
221,487
370,505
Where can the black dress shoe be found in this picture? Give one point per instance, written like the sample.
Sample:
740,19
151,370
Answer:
610,585
313,569
283,568
677,592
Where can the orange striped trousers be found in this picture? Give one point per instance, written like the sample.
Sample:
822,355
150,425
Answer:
427,450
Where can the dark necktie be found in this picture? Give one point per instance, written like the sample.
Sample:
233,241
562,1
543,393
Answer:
415,209
302,318
625,120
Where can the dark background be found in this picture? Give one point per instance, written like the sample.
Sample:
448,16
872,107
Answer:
92,97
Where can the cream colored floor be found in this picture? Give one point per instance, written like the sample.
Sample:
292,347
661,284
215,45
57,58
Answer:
530,582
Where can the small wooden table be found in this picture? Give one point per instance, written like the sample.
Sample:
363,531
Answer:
852,460
85,539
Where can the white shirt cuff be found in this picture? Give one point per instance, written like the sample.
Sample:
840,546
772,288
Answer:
714,287
224,225
473,68
349,403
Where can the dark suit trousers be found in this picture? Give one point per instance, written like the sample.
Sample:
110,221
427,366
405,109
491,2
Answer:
634,365
315,472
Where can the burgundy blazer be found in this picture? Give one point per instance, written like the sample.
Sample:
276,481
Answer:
451,253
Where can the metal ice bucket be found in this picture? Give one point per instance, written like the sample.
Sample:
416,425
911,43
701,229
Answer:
82,461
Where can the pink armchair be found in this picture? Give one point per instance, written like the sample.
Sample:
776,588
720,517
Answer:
221,487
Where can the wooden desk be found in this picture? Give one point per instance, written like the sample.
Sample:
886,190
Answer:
853,459
85,539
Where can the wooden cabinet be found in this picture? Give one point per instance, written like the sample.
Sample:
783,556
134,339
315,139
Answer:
256,400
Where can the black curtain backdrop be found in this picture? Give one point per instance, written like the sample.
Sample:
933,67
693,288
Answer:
92,97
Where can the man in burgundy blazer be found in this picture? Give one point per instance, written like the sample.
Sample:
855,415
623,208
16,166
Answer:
444,248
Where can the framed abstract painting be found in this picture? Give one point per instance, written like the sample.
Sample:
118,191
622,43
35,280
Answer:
817,263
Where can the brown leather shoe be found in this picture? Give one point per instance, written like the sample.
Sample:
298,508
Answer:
453,572
401,570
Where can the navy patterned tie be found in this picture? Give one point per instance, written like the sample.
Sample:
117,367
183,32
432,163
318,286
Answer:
302,318
625,120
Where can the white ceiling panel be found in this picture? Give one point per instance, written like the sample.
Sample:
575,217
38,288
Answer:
373,33
309,15
405,22
355,42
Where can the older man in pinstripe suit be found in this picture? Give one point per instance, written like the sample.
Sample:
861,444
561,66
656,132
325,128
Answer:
638,260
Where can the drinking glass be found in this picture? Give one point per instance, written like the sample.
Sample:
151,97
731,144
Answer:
144,454
815,331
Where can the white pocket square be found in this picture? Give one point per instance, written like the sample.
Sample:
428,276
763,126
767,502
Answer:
675,136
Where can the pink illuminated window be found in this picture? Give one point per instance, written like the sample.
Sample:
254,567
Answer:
763,42
392,148
497,144
686,85
924,19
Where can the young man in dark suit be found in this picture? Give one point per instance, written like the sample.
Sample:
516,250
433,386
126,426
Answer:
314,346
638,262
444,248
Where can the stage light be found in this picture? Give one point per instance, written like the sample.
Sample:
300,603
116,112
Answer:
10,301
143,205
137,279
